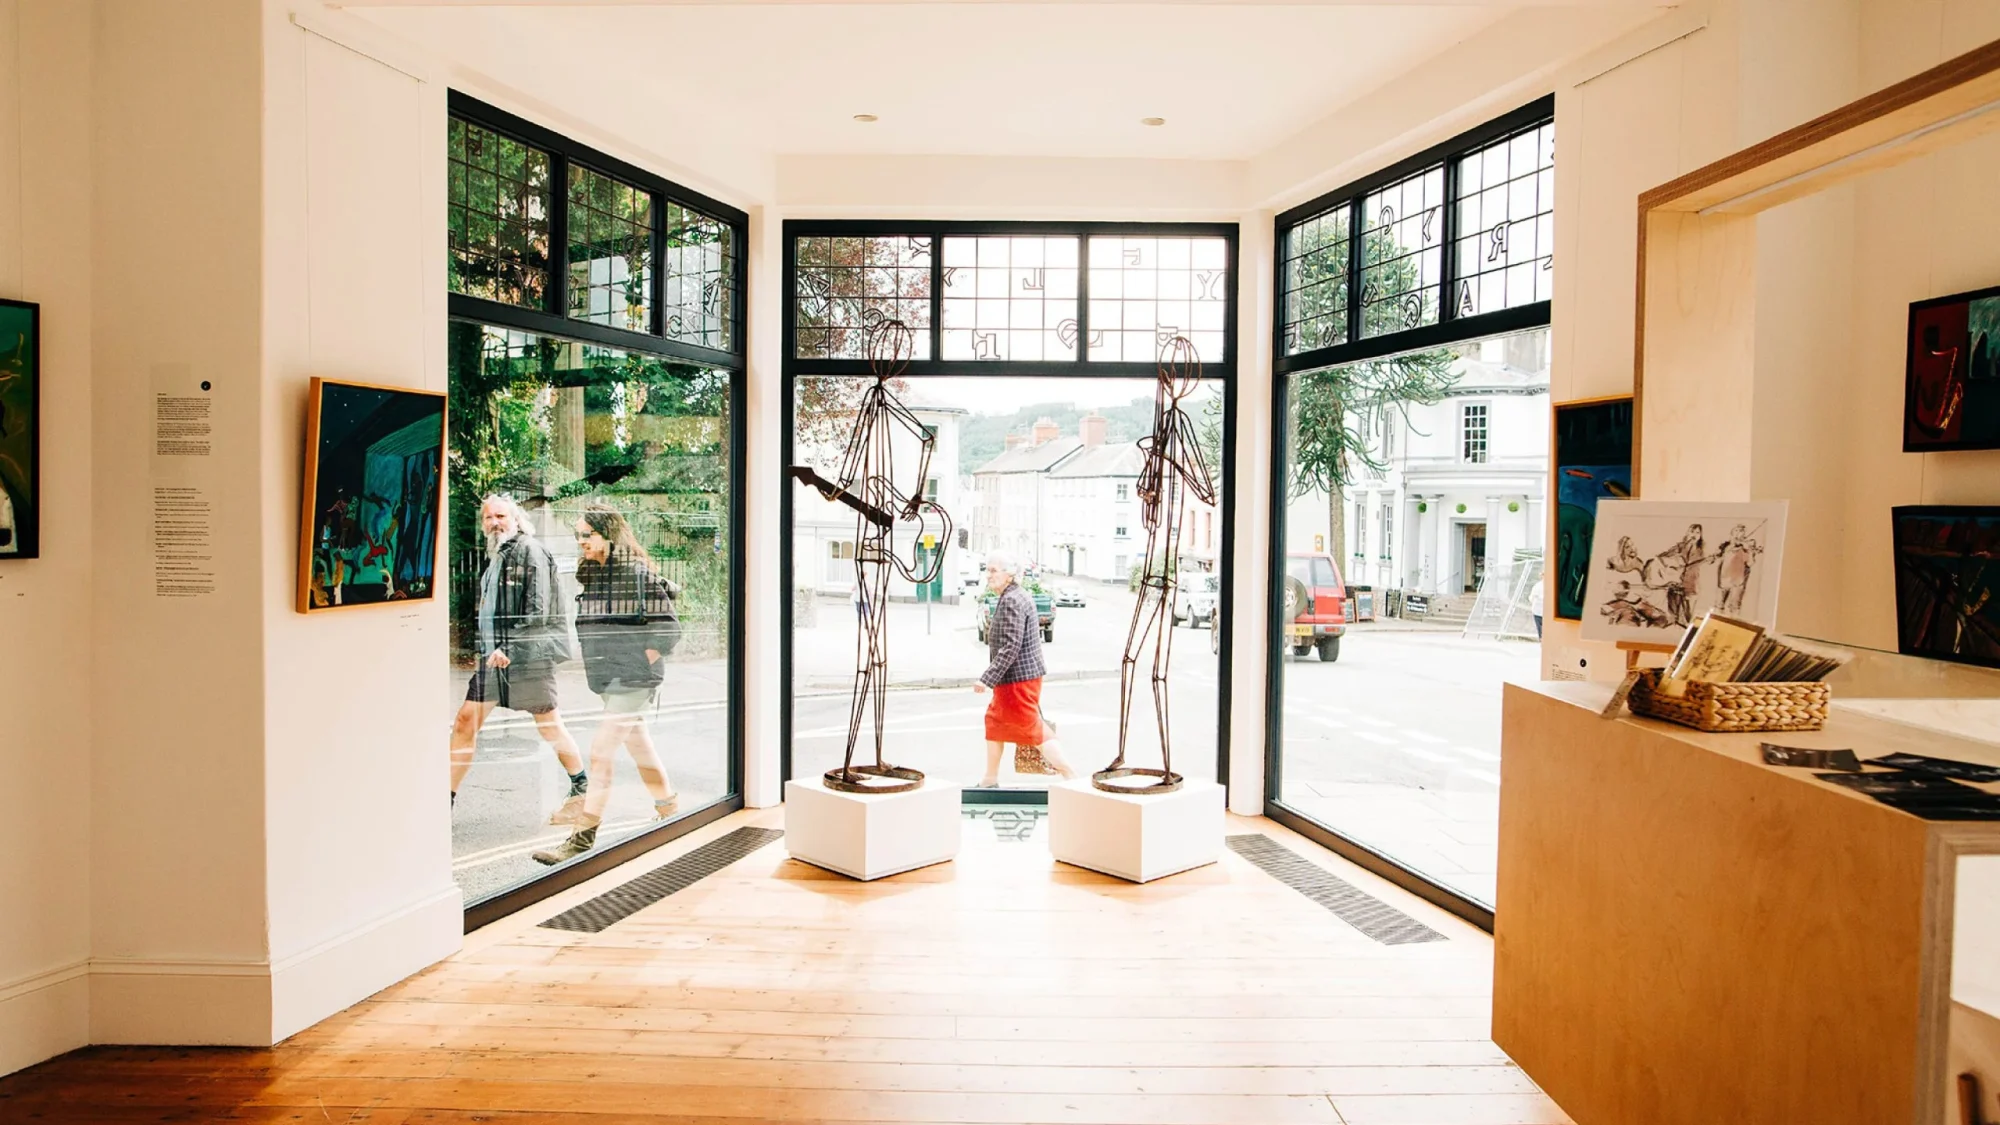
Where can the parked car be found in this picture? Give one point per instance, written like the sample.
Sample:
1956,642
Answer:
1069,597
1195,596
1045,609
1312,580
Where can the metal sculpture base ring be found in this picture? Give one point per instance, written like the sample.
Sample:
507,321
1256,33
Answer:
1167,784
889,779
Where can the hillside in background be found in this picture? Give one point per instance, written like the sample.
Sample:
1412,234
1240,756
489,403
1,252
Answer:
982,437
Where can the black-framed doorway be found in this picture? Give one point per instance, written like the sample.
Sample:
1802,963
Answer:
935,362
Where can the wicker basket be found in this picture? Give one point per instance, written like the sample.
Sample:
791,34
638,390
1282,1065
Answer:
1734,707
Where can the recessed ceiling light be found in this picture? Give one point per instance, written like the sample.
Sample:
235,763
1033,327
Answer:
866,118
1154,121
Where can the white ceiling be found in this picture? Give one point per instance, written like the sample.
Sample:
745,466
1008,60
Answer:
1052,79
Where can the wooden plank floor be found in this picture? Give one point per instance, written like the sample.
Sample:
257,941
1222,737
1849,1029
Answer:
1002,988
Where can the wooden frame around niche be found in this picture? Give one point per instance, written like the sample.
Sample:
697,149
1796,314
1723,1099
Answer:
1710,212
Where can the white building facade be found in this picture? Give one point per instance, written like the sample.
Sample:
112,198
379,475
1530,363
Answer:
823,531
1464,481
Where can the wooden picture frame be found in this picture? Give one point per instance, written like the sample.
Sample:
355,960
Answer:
1567,565
20,430
1951,373
371,517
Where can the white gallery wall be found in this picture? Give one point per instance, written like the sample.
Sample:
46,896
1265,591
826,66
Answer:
45,644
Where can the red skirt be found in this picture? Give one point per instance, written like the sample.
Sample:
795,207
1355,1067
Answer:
1015,715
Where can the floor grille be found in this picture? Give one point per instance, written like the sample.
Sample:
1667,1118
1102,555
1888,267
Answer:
621,902
1373,917
1012,824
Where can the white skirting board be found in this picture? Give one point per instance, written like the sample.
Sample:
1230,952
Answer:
869,835
1132,837
44,1016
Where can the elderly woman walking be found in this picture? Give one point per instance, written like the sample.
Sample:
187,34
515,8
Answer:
1014,673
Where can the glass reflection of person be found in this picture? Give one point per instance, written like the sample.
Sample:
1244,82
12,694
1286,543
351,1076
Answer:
522,637
626,623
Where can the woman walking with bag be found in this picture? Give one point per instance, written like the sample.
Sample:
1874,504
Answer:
1014,674
626,623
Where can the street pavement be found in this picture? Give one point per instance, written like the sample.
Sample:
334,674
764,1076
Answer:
1397,745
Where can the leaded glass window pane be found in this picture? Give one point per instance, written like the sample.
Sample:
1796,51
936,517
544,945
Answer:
1316,261
701,272
498,217
1145,291
847,285
1402,253
1505,250
610,251
1010,298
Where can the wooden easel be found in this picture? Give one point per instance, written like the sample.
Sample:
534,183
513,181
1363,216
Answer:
1632,649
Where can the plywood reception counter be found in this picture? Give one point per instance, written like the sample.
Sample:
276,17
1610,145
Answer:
1687,936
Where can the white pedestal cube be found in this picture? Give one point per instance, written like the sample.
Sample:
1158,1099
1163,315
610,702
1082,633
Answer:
1136,838
869,835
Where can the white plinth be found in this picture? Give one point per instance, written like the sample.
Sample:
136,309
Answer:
869,835
1136,838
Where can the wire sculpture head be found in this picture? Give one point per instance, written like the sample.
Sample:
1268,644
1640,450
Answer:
891,345
1179,369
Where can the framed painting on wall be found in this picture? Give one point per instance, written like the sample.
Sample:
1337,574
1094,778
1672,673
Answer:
374,490
1593,461
1951,376
20,430
1656,566
1948,583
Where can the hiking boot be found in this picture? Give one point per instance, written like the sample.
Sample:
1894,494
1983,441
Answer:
571,811
579,842
665,806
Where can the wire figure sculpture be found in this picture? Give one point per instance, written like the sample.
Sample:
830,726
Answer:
1173,468
868,485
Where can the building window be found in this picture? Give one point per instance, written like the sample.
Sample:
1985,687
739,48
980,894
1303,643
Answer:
610,251
1360,526
1124,492
1119,533
1389,263
498,214
1472,432
1388,530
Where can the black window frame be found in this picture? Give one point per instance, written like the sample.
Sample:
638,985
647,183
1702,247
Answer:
553,318
1449,329
792,366
553,321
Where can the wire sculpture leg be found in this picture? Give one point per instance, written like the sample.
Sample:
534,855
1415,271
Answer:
1150,624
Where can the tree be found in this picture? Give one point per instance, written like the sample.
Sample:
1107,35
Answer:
1336,409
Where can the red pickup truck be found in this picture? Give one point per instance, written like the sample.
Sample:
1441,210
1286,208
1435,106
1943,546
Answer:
1313,581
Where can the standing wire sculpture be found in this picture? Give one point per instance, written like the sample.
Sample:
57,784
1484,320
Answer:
1172,469
868,485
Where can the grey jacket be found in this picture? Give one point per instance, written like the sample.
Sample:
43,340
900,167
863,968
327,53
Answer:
529,621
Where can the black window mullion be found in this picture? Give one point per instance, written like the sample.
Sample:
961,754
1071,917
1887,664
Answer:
1355,263
1083,297
558,235
1448,267
656,285
937,294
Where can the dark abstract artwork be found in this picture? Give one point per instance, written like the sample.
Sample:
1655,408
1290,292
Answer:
1593,459
373,486
1951,382
1948,583
20,407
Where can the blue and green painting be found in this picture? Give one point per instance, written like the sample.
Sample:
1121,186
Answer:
20,515
1593,462
375,496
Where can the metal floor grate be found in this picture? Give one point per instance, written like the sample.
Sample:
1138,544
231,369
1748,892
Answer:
1373,917
1012,824
620,903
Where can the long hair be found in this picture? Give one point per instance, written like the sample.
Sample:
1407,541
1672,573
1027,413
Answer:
609,522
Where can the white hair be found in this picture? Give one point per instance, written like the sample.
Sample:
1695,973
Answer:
513,508
1004,561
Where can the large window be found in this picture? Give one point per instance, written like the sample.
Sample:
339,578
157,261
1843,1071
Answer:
1412,359
1036,352
593,534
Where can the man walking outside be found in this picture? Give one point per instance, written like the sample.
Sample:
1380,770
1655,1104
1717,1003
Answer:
523,635
1014,674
